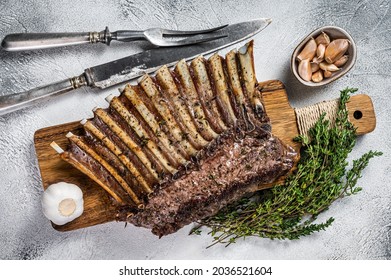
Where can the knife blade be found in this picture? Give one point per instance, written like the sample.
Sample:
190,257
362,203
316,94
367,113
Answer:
134,66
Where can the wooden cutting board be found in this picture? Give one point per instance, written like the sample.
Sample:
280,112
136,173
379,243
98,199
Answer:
97,206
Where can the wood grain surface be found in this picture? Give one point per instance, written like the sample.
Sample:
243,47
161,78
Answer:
98,208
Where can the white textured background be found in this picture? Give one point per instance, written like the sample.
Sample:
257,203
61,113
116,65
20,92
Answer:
362,229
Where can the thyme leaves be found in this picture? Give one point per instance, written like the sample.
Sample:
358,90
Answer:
289,211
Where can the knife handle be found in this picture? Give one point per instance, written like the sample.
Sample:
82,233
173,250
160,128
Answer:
16,101
34,41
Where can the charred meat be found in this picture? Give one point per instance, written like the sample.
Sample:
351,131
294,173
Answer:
179,146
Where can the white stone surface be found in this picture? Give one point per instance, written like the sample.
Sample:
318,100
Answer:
362,223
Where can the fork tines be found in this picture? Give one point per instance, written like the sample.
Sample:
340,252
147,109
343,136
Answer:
181,38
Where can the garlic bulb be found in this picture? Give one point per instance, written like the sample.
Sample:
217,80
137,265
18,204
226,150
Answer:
62,203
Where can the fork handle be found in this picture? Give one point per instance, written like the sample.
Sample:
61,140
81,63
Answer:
127,35
34,41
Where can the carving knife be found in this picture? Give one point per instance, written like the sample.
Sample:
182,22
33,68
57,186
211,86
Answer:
134,66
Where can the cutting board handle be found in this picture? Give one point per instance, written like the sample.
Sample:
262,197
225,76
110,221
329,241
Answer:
360,110
361,113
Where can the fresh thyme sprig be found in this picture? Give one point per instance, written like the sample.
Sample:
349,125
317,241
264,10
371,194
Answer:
288,211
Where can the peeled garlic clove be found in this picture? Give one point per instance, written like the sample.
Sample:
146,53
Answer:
327,66
323,38
317,76
336,49
308,51
327,74
314,67
304,70
320,52
340,62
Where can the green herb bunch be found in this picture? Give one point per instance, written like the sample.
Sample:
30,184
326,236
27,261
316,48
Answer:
288,211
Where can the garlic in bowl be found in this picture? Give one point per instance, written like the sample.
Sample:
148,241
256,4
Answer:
62,203
325,55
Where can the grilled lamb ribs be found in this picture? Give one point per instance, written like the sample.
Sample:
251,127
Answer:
228,172
179,146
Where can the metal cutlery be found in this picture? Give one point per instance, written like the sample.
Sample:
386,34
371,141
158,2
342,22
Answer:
156,36
127,68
